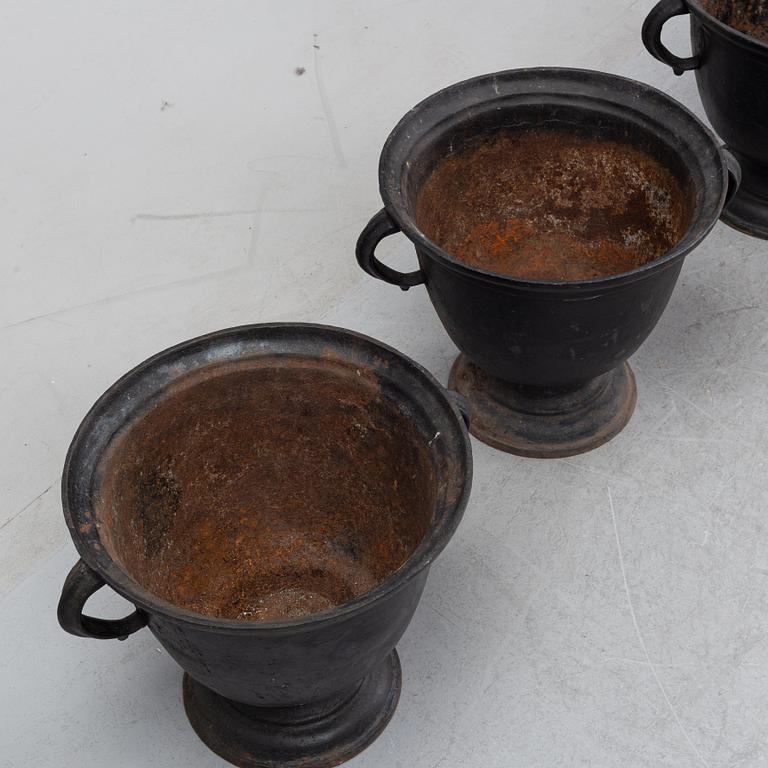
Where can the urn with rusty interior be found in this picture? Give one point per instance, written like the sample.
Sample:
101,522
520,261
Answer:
270,498
551,210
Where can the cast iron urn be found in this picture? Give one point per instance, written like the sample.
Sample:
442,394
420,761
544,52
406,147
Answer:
729,39
551,211
270,498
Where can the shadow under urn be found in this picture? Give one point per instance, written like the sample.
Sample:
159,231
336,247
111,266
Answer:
729,40
270,498
551,211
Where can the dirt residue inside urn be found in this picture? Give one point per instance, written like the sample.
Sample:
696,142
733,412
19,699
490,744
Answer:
266,491
552,205
747,16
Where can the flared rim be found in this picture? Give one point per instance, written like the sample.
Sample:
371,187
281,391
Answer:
93,553
537,80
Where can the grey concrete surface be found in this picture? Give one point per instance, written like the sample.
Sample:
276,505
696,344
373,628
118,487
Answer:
166,173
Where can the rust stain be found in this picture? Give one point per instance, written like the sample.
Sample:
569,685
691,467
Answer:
747,16
264,491
553,205
86,528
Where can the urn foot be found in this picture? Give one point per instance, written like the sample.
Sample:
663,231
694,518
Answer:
545,423
747,213
748,210
310,736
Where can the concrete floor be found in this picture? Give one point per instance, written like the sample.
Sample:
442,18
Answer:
166,172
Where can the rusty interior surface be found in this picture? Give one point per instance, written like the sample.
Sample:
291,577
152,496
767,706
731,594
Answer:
748,16
266,492
552,205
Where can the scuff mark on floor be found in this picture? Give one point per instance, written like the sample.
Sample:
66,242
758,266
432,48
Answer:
641,639
327,109
26,507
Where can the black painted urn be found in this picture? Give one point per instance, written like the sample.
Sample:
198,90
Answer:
730,57
270,498
496,181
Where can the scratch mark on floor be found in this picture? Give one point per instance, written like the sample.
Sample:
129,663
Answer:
445,618
616,476
730,296
26,507
744,369
643,662
703,440
734,311
686,400
186,281
253,250
641,640
186,216
148,290
326,103
59,322
256,225
224,214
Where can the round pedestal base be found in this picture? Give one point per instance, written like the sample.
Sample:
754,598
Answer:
545,424
748,214
299,737
748,210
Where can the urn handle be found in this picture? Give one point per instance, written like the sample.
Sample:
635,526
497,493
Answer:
652,27
79,585
379,227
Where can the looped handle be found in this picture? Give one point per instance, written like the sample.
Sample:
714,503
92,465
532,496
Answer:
734,174
652,27
79,585
379,227
462,405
